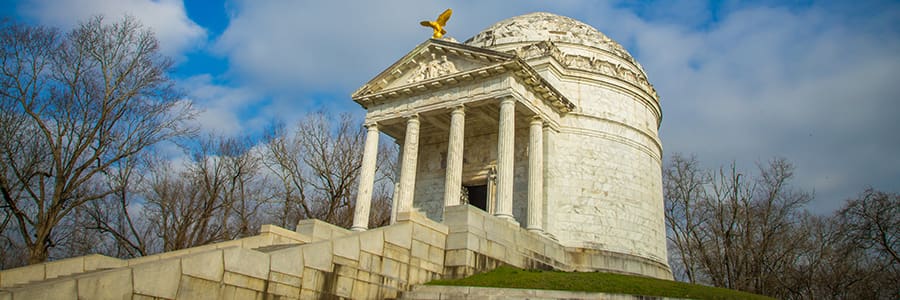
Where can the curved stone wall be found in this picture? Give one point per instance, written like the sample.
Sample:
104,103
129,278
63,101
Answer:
603,173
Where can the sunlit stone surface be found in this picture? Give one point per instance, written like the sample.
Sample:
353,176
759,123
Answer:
534,144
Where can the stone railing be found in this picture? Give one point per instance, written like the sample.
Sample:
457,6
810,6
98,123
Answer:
322,260
269,235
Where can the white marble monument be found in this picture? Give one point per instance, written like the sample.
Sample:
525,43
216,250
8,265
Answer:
540,120
534,144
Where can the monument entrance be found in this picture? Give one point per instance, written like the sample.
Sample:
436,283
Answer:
477,196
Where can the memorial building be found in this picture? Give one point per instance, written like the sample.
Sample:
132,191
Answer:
533,144
540,120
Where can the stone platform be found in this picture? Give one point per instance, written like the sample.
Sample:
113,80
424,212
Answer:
319,260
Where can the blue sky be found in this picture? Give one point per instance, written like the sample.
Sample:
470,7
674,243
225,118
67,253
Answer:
815,82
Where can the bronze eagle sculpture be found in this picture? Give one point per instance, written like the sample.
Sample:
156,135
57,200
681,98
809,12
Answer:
438,25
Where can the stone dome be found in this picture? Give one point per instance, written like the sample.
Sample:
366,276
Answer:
543,26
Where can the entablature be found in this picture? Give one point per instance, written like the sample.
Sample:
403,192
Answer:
481,98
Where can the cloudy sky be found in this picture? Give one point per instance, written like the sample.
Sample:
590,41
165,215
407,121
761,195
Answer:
815,82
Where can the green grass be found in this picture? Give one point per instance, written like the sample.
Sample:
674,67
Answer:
509,277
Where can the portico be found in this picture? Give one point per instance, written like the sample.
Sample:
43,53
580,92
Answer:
462,139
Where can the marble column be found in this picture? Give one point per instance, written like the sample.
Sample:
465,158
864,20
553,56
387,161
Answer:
395,198
549,154
408,168
535,174
505,156
366,180
453,177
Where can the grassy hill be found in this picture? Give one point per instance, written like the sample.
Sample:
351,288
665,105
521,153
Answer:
509,277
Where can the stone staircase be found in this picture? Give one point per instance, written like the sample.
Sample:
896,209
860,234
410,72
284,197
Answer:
438,292
320,260
44,281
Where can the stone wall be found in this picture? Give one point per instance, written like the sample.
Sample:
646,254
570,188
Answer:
319,261
479,242
603,170
269,235
606,200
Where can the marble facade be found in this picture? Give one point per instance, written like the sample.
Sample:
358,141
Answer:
562,115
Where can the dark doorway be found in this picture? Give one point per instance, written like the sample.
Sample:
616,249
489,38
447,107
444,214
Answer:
478,196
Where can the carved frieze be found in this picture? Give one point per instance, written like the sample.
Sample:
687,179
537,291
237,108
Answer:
547,27
433,69
590,64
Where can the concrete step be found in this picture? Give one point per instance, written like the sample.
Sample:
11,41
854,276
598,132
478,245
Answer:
58,278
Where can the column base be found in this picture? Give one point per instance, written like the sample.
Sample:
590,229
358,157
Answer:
508,218
358,229
536,230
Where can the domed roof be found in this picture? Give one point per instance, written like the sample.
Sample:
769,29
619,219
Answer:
542,26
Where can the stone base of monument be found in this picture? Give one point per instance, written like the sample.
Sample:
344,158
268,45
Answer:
319,260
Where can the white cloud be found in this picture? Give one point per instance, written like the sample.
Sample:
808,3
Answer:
168,19
304,45
222,109
799,83
814,84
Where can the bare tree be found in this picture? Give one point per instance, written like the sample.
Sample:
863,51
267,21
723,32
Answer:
75,108
873,221
733,230
832,262
175,209
684,187
213,198
775,216
119,216
828,265
749,232
725,205
382,196
244,190
318,168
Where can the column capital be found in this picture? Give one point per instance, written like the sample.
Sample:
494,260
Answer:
456,109
371,125
537,119
507,99
412,117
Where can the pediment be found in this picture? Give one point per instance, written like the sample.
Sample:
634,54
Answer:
437,64
432,60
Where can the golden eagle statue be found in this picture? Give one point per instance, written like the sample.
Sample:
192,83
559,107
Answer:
438,25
